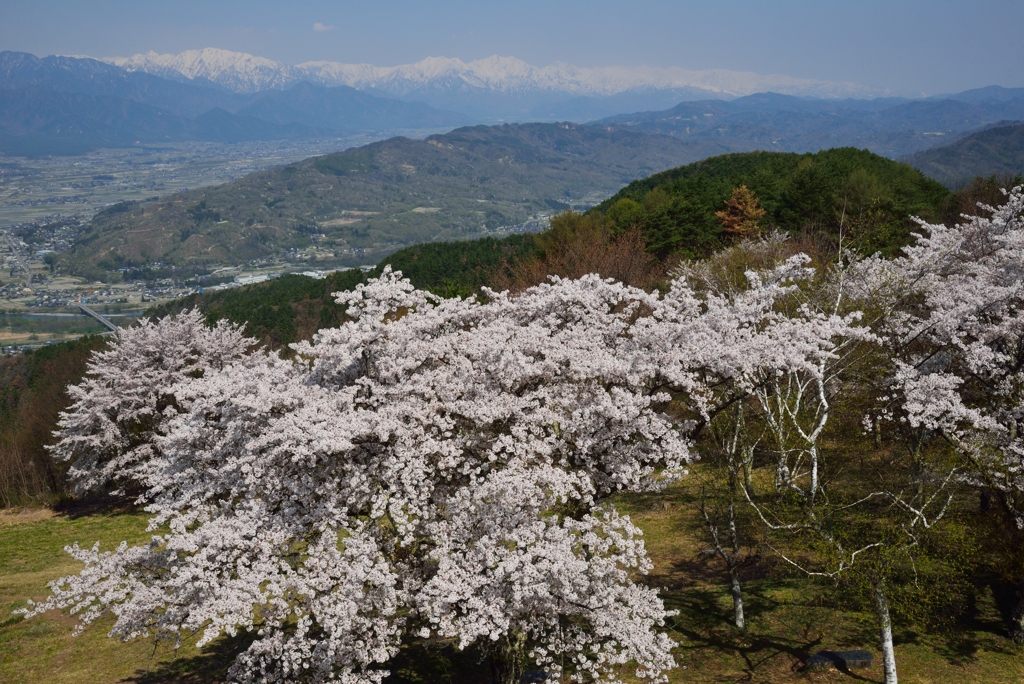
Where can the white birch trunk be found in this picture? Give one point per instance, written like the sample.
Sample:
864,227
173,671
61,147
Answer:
737,601
885,634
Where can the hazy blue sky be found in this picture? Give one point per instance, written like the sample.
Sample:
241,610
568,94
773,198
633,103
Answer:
928,46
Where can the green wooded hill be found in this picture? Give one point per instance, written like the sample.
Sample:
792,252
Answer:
459,268
360,204
276,312
996,151
871,197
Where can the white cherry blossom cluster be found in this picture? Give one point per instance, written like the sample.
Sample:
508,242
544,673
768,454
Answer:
955,331
431,469
125,398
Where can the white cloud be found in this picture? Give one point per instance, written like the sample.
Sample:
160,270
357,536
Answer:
322,27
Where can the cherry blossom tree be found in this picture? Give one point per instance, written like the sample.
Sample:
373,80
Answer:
816,346
432,468
943,328
127,395
731,457
789,349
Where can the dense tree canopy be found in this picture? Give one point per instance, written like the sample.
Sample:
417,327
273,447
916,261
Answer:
871,198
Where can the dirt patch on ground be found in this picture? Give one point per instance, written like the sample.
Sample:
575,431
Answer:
20,516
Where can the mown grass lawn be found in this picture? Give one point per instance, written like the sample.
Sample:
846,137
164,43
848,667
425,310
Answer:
43,649
789,619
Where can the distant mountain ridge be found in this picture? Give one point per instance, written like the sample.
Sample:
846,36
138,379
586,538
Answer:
235,71
70,105
346,109
242,72
35,121
193,97
93,77
770,121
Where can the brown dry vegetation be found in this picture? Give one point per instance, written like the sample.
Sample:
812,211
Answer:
32,394
577,245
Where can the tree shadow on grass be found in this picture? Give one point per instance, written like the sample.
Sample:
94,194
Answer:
211,665
758,652
704,626
1002,597
438,663
981,629
782,634
94,504
415,664
712,605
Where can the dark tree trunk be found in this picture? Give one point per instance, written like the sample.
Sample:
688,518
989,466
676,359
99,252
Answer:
508,658
1016,626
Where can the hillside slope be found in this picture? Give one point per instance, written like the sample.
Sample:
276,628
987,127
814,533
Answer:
359,204
996,151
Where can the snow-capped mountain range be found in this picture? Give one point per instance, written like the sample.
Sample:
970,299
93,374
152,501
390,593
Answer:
64,105
246,73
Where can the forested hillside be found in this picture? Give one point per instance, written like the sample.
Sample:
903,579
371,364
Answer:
32,392
277,313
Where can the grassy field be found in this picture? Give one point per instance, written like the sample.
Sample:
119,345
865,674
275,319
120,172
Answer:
789,618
